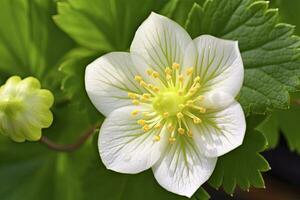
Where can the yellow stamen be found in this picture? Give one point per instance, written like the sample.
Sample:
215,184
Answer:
190,133
189,71
146,95
190,103
135,112
181,131
132,95
146,127
156,138
179,115
141,122
172,140
156,89
170,128
135,102
175,66
155,74
197,79
202,110
138,78
157,126
168,77
166,114
149,72
143,84
181,106
168,71
197,120
180,78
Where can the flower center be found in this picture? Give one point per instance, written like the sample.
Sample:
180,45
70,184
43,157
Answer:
173,103
169,101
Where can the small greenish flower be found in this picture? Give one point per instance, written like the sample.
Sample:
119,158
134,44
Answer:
170,104
24,109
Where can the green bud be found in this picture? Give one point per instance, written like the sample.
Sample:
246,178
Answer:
24,109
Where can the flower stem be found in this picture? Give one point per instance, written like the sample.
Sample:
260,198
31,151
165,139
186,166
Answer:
69,147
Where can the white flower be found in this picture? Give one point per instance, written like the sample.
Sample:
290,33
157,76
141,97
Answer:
170,104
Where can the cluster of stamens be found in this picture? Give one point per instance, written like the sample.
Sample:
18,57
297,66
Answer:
173,102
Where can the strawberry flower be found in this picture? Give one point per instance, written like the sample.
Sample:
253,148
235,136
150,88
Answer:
169,104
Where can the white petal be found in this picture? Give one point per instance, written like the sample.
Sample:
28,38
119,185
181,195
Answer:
183,169
123,145
109,79
220,131
218,63
161,42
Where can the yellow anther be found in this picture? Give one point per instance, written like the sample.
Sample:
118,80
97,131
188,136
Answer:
170,128
197,86
168,77
156,138
143,99
156,89
135,102
150,86
180,92
135,112
175,66
202,110
200,98
172,140
149,72
179,115
189,71
146,127
157,126
181,106
197,79
190,103
190,133
146,95
138,78
155,74
141,122
180,78
166,114
168,70
192,91
132,95
143,84
181,131
197,120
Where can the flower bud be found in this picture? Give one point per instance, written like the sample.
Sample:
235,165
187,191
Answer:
24,109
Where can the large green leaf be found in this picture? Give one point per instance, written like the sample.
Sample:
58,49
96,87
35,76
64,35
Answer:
104,25
269,50
30,43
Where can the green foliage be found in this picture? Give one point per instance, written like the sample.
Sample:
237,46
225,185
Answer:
243,166
269,50
30,43
285,122
104,25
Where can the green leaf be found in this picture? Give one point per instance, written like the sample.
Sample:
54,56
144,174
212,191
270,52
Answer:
270,128
30,43
269,50
73,85
104,25
288,11
201,194
286,123
243,166
178,10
